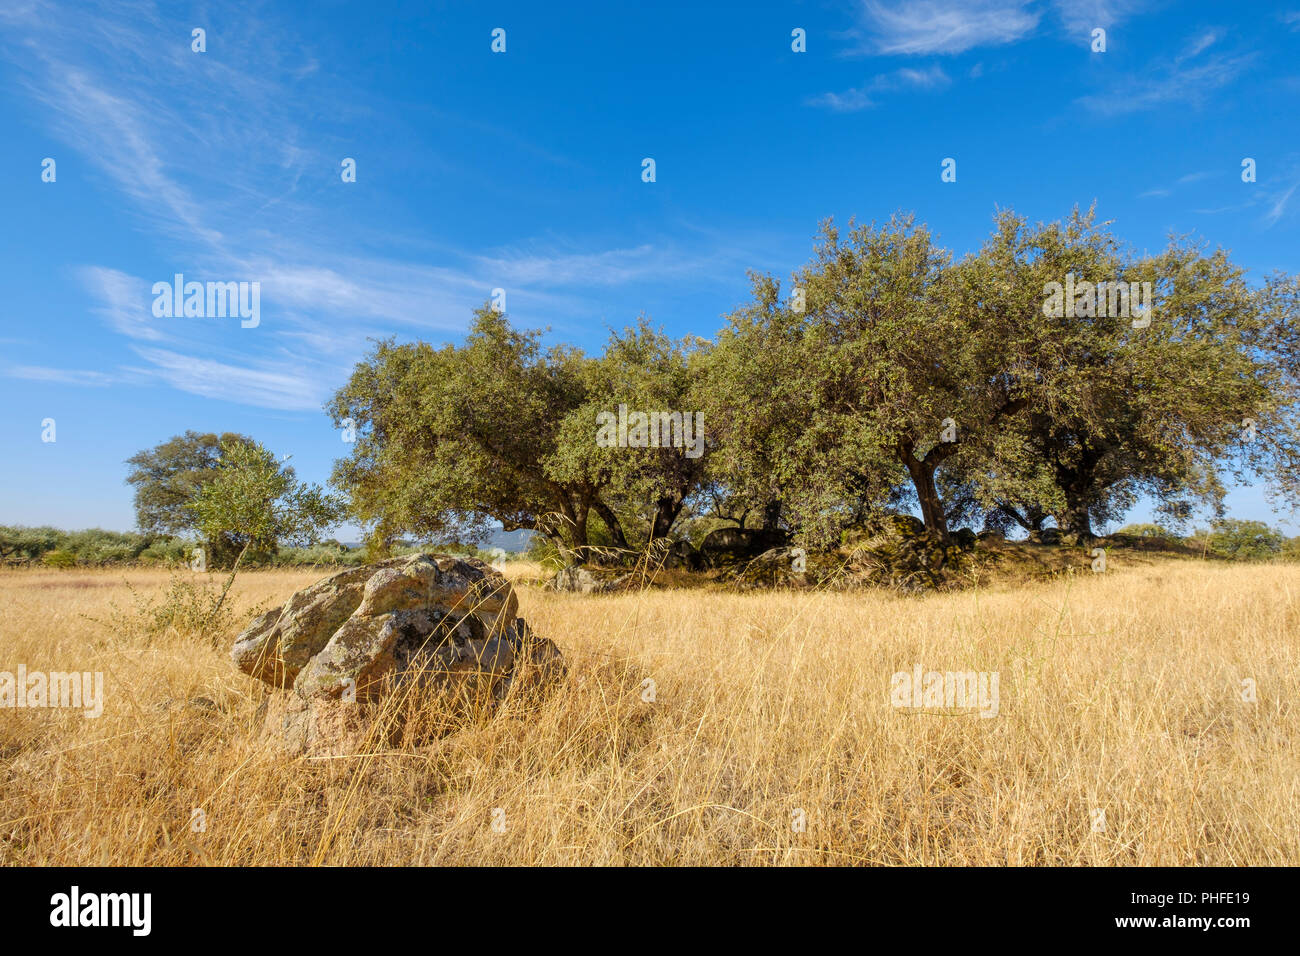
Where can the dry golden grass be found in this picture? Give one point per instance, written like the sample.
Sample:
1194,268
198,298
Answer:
1119,692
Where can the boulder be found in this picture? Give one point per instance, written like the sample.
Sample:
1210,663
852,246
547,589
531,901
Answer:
896,551
1045,536
898,526
429,618
778,567
582,579
725,546
682,555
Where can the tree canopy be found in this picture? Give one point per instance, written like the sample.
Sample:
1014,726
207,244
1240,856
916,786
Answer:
1054,374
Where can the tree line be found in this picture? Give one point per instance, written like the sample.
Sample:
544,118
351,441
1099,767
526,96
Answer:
887,375
1003,389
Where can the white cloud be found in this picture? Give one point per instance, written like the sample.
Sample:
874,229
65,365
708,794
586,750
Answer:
1198,45
271,387
551,268
1278,205
1083,16
923,27
61,376
127,301
1171,82
862,97
201,161
945,26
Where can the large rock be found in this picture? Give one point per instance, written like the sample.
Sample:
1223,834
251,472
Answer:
965,538
682,555
896,551
777,568
725,546
898,525
1050,536
589,579
424,617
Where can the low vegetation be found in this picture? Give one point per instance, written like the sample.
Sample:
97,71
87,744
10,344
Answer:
1147,717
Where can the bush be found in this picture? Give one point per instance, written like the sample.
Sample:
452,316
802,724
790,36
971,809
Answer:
330,553
59,559
192,607
19,545
1241,540
166,551
1147,530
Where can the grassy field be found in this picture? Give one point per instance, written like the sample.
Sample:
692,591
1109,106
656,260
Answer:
1121,737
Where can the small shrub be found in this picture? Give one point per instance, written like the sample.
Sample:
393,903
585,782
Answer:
192,608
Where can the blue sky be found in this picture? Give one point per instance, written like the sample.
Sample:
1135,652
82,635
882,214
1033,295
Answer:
522,170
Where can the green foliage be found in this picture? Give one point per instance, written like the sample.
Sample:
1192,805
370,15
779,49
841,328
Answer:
59,559
450,439
325,554
840,409
642,491
19,545
91,547
257,503
170,475
1241,540
1147,530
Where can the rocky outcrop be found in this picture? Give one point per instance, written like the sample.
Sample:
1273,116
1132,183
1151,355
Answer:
427,618
589,580
725,546
682,555
896,551
777,568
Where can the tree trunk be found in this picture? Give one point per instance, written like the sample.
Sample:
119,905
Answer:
667,508
568,530
578,536
1076,521
927,493
772,517
230,580
615,527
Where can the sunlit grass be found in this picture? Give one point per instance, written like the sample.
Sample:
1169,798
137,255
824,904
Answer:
1120,692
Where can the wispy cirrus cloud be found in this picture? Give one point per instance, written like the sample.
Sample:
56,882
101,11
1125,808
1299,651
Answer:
866,96
125,301
62,376
923,27
275,385
949,27
1184,180
202,182
1190,77
1277,205
1082,16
